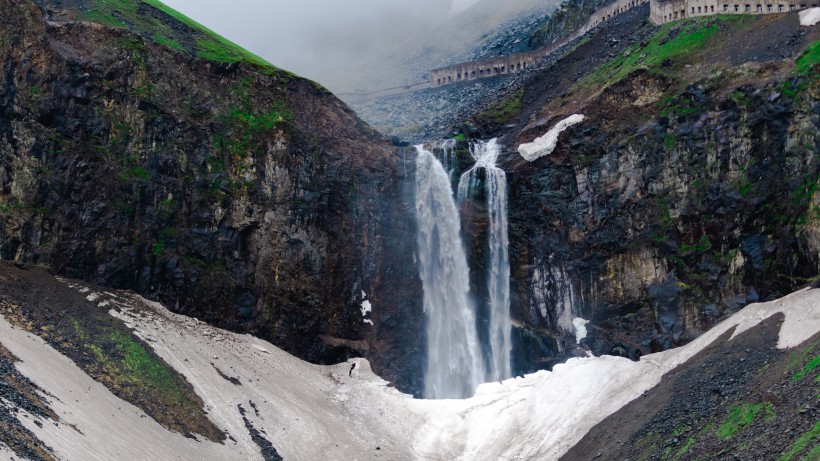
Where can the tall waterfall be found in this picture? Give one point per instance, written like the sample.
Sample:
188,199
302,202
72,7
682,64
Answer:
498,280
455,366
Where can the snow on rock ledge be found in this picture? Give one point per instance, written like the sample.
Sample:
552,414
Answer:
546,144
810,17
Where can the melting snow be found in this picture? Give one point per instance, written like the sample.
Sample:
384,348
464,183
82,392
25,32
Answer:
810,17
546,144
313,412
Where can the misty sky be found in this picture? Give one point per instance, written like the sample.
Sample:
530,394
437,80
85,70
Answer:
314,37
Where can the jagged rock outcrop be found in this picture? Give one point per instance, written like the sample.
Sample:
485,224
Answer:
689,191
234,192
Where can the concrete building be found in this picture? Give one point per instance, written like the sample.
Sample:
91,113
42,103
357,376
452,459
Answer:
520,61
661,11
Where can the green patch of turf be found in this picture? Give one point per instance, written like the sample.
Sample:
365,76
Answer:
663,45
808,59
811,366
212,46
209,44
812,437
246,122
168,42
740,417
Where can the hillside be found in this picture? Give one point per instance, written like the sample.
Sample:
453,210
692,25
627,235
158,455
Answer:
688,191
214,251
218,184
760,365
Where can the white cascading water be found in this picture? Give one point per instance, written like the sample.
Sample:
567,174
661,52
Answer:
454,363
498,279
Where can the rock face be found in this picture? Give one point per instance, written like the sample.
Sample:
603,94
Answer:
235,193
687,192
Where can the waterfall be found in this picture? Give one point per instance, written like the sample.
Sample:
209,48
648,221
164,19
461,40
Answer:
454,363
498,280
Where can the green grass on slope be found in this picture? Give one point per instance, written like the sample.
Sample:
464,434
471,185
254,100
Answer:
212,46
206,44
812,437
672,40
808,59
740,417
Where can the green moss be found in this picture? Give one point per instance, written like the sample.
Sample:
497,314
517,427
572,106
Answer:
138,172
460,137
669,141
246,122
792,89
810,367
140,366
143,91
169,42
105,18
812,437
502,111
740,417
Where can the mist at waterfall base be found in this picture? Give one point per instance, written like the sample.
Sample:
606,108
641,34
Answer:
457,362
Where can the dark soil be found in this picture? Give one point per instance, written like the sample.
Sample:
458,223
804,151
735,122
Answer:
19,393
682,417
34,300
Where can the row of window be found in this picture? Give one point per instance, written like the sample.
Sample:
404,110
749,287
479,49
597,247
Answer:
770,8
482,73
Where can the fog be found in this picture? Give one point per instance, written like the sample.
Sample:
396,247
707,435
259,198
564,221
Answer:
318,38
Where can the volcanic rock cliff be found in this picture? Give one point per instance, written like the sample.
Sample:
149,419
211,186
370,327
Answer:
171,164
689,190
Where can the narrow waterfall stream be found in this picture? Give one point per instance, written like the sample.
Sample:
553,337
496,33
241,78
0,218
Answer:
498,277
455,366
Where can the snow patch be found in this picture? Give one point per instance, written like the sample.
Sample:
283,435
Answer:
337,412
546,144
810,17
580,328
366,308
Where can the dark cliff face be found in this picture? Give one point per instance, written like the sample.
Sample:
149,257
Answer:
233,192
689,191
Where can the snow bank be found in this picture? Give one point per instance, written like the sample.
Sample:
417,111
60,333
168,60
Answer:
311,412
810,17
546,144
542,416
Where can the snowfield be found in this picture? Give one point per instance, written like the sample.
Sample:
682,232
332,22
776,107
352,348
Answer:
311,412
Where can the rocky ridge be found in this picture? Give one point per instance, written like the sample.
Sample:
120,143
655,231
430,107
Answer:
689,191
228,189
